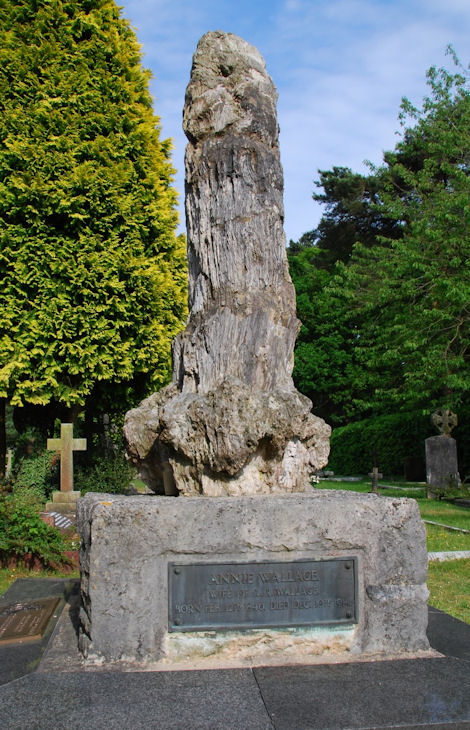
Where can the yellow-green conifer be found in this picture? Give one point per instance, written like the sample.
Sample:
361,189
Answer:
92,275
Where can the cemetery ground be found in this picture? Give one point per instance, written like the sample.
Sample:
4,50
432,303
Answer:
51,690
448,582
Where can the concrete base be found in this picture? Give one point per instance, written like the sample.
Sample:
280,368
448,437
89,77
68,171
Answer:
127,543
63,502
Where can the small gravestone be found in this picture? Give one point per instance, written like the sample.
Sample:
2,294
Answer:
375,475
442,472
9,464
66,499
25,621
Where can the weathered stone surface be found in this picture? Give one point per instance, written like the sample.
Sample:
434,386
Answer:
442,471
232,421
127,543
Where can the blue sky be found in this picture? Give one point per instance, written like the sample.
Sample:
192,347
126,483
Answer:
341,68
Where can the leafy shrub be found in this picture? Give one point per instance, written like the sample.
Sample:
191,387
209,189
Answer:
393,437
111,473
22,532
38,472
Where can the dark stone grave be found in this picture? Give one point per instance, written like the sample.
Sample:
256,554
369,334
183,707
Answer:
414,469
25,621
18,658
442,471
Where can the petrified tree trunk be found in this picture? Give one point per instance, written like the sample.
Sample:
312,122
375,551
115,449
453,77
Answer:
231,422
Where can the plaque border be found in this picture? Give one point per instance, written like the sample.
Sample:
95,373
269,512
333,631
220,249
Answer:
173,627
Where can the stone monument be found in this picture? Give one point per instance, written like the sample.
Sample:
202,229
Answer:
258,567
442,471
65,500
231,422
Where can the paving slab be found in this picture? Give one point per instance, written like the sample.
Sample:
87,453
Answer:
63,693
28,589
448,635
204,700
423,693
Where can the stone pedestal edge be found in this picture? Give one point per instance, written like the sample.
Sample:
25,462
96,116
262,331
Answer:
127,543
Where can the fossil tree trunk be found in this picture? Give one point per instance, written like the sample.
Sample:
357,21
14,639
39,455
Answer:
231,422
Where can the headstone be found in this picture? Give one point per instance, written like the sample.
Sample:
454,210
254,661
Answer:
65,500
414,469
25,621
9,464
375,475
231,422
264,570
442,472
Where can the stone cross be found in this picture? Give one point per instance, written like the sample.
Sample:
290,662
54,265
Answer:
375,475
444,420
9,464
66,445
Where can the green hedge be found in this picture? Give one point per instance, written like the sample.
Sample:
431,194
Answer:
394,438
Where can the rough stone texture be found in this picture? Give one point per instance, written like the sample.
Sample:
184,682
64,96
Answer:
127,543
231,422
442,469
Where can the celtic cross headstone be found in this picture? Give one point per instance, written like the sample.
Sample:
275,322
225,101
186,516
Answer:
442,472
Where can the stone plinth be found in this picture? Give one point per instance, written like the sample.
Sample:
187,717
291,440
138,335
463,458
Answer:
128,542
442,471
63,502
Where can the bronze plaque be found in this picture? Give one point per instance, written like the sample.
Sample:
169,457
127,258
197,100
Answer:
262,595
25,621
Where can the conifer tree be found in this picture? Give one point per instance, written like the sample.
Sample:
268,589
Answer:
92,276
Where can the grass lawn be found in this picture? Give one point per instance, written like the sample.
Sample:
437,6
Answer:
9,575
449,586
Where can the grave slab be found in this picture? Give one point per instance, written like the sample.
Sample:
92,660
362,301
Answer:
423,693
448,635
205,700
25,620
16,660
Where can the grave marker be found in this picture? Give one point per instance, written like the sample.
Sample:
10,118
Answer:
26,621
375,475
65,500
66,445
442,471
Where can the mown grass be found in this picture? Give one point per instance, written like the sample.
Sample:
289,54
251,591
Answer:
440,539
9,575
445,512
449,588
